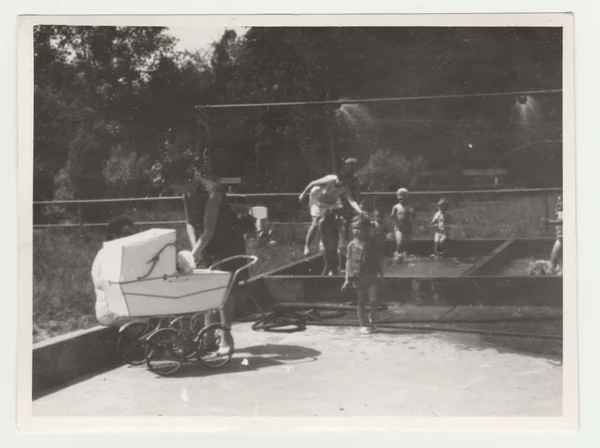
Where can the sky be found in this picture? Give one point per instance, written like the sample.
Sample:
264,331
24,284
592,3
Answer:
199,38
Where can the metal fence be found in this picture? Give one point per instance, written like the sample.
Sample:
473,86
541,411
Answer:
477,213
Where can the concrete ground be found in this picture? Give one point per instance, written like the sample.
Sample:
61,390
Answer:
330,371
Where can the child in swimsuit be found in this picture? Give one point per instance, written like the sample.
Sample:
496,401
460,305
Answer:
441,222
558,244
402,217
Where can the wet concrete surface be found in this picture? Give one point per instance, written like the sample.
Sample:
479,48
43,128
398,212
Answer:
332,371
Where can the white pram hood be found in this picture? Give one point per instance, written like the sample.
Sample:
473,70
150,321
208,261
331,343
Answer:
151,253
139,277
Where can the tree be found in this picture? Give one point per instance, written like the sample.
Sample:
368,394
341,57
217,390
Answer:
123,97
88,82
389,170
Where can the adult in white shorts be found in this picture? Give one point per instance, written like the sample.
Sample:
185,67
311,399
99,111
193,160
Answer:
325,194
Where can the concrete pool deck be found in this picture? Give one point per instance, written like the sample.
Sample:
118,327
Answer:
330,371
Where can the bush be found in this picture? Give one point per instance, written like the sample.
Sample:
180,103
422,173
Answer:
388,170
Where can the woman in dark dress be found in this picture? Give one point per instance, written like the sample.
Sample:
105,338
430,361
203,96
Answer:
215,233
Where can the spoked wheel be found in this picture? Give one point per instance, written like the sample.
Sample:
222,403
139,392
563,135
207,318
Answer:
185,328
215,346
165,352
130,344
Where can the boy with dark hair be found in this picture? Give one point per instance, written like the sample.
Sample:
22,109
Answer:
363,267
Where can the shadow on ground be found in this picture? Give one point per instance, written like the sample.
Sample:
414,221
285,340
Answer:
252,358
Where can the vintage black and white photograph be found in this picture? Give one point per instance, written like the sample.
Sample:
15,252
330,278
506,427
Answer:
300,220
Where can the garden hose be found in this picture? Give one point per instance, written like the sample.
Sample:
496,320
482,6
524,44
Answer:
451,330
284,320
280,320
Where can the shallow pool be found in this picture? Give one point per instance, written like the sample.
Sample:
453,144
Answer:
519,267
428,267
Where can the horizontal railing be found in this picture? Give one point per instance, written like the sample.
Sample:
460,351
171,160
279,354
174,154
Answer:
257,196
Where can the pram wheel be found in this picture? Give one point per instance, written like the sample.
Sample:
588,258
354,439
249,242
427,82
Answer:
130,345
215,346
184,327
165,352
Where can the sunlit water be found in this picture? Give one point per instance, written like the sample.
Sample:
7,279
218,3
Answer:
527,111
524,267
355,116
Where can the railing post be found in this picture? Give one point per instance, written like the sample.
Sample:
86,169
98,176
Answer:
546,214
80,212
185,208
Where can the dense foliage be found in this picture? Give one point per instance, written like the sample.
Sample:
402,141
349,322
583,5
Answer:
115,107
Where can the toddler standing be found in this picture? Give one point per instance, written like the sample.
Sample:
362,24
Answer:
441,222
402,217
363,267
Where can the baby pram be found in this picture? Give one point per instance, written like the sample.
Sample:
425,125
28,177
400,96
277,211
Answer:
167,308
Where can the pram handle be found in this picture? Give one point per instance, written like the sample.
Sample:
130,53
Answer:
252,261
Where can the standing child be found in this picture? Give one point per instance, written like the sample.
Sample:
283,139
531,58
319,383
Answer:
402,217
441,221
363,266
558,244
328,227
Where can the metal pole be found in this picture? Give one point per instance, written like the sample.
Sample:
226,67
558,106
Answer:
208,143
380,100
185,208
80,211
545,214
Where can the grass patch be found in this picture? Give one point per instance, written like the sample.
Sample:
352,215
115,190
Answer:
63,293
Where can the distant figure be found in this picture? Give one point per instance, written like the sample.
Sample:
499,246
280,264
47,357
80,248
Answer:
540,267
118,228
402,217
380,232
363,267
558,244
442,222
347,174
328,227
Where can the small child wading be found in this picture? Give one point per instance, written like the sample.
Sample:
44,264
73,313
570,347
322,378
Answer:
441,222
402,217
363,267
558,244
